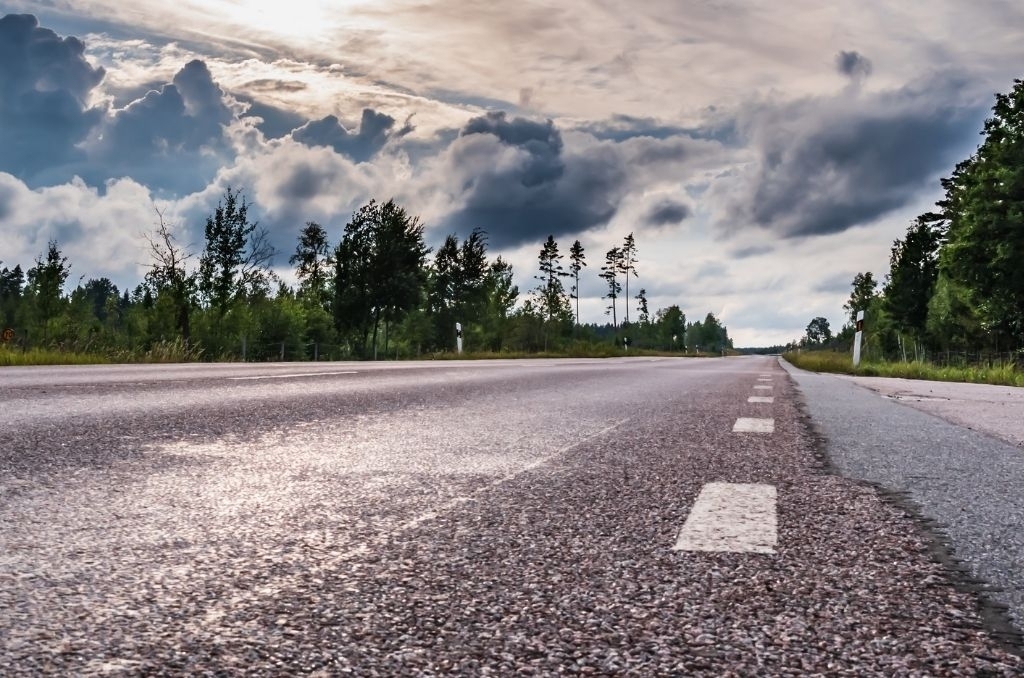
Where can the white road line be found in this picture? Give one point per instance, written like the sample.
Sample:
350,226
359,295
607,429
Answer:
753,425
764,378
288,376
762,388
760,399
734,517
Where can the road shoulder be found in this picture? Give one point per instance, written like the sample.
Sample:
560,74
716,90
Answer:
961,486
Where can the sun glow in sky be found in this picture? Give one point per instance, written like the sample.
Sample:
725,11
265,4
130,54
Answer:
762,153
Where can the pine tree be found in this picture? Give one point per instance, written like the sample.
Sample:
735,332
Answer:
553,301
313,263
577,262
627,265
610,272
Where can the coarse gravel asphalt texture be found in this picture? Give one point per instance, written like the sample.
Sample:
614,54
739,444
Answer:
968,485
448,519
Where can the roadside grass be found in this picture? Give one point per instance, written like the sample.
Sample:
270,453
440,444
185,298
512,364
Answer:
177,352
48,356
597,351
842,363
161,352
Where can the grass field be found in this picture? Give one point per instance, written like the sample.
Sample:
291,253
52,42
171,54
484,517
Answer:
842,363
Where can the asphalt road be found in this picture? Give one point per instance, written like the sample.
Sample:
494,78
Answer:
626,516
968,483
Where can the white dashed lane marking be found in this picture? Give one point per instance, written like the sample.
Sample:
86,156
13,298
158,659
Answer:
753,425
735,517
764,379
760,399
762,388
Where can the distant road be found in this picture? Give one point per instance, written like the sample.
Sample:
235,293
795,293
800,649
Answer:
653,516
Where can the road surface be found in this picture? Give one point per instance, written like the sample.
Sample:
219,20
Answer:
626,516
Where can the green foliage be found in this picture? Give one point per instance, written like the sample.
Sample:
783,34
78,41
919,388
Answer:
627,265
818,332
863,293
234,264
670,326
552,300
984,207
913,271
371,295
708,336
842,363
609,273
379,272
313,263
577,262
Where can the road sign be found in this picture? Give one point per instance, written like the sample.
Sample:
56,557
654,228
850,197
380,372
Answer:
8,334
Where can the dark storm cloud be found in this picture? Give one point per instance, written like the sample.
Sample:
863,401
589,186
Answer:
305,181
171,139
534,189
853,64
839,282
826,165
375,130
45,82
623,127
667,213
276,122
751,251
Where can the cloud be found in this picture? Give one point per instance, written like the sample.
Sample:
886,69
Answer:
853,65
514,178
375,130
45,84
171,139
824,165
667,213
99,232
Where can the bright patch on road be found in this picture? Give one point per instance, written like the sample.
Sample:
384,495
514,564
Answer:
288,376
763,388
753,425
764,378
760,399
734,517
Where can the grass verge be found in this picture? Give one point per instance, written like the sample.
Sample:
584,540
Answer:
842,363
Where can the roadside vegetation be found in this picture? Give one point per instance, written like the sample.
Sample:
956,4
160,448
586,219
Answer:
377,293
1004,374
951,306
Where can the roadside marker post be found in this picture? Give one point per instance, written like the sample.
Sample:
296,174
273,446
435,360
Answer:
458,337
857,338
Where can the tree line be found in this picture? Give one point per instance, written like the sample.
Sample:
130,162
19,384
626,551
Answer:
956,279
377,292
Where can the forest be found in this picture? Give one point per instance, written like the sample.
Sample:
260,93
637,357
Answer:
377,293
955,284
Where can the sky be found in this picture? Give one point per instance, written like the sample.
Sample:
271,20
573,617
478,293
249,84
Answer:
761,152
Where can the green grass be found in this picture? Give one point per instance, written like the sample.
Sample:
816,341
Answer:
162,352
842,363
47,356
176,352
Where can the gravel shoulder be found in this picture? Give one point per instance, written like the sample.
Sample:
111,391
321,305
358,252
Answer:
947,452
